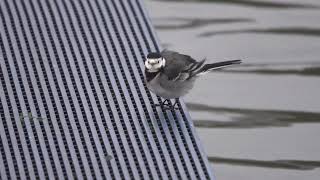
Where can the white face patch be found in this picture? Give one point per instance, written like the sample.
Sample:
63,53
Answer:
154,65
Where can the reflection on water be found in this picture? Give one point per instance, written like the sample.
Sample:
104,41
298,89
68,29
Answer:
286,31
258,4
309,71
250,118
281,164
197,22
305,69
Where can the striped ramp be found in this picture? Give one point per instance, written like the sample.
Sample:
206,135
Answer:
73,103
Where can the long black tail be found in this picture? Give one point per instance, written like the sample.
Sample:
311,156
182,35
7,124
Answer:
208,67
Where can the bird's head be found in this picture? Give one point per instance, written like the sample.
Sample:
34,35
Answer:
154,62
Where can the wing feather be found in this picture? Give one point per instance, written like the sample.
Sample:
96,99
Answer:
179,67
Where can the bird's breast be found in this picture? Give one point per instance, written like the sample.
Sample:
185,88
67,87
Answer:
165,88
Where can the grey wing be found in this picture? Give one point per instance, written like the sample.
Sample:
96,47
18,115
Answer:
179,67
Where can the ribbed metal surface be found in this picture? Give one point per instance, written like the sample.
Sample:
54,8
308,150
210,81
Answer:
73,103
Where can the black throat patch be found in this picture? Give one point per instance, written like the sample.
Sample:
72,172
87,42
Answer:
151,75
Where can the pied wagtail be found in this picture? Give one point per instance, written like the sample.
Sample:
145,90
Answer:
171,75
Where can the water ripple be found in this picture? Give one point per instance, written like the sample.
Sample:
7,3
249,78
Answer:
282,164
197,22
302,31
308,71
251,118
258,4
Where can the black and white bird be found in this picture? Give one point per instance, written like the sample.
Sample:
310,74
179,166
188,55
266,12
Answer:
171,75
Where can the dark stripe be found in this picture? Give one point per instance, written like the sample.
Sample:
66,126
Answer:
24,103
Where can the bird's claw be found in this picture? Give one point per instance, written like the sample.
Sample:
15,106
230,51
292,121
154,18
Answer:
166,105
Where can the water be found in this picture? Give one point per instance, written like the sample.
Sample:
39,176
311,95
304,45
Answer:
259,120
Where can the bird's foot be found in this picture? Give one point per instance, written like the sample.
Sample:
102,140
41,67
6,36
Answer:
164,103
167,105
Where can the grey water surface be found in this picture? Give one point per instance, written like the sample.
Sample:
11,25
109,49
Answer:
260,120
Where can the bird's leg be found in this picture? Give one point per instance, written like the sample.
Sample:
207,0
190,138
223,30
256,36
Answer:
165,102
175,105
